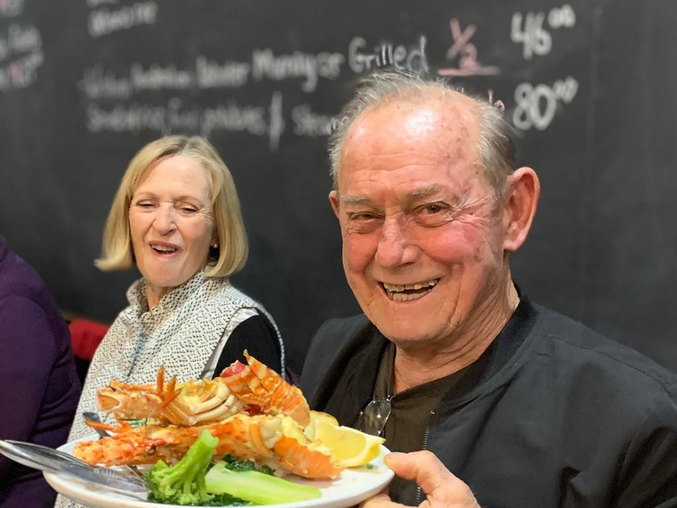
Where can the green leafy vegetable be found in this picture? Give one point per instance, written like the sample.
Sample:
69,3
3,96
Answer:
245,465
135,422
257,487
227,500
229,482
183,483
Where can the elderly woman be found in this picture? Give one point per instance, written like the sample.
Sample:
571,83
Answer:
176,216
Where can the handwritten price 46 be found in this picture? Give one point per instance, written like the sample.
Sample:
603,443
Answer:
528,29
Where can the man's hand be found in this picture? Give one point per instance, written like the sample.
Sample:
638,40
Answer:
442,489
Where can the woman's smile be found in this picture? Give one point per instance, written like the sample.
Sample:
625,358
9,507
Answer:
164,249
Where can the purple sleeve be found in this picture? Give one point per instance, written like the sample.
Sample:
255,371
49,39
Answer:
27,352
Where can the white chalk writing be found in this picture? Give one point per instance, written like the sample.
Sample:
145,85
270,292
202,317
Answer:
296,65
180,118
21,50
176,116
360,59
529,29
234,118
211,74
128,118
159,77
104,21
101,84
11,8
309,123
131,114
276,123
22,39
533,36
562,17
537,105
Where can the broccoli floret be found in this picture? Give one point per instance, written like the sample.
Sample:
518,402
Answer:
183,483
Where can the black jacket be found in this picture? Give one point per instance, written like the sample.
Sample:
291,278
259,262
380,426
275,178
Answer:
551,415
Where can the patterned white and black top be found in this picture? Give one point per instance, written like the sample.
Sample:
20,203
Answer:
186,332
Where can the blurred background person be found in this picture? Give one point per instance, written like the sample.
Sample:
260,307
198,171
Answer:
37,373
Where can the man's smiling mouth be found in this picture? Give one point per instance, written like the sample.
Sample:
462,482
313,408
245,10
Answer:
406,292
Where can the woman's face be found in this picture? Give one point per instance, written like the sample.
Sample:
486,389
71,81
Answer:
171,224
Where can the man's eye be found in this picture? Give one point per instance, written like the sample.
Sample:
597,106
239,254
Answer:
361,216
433,214
433,209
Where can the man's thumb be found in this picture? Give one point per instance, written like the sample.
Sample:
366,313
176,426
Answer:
401,465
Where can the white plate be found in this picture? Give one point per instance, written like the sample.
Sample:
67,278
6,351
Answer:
353,486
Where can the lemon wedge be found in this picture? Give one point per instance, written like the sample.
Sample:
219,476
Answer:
349,447
315,418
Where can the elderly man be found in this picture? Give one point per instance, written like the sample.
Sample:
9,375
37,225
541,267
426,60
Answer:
493,400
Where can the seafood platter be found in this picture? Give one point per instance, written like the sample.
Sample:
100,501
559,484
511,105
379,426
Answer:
249,414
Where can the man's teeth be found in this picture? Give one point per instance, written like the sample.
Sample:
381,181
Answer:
164,248
406,292
418,285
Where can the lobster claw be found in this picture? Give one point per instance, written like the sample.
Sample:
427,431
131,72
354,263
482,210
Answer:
260,385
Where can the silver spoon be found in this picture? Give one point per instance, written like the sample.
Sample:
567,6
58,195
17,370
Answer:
57,462
90,416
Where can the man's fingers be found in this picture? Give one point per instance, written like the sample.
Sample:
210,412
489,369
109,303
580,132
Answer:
380,500
422,467
440,486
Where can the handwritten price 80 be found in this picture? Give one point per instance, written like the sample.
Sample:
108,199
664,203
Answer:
537,105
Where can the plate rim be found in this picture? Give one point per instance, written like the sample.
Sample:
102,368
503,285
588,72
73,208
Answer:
94,497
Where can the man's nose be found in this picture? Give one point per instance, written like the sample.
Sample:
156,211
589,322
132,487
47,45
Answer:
395,248
164,219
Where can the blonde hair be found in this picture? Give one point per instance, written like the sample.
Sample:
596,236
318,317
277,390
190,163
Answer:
231,253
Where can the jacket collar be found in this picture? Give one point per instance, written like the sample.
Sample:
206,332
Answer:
353,375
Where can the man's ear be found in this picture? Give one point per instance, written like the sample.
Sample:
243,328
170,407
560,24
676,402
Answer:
521,199
335,202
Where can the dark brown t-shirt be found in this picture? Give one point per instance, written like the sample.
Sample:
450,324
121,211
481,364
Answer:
405,430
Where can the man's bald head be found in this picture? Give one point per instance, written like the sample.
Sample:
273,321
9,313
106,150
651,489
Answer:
495,149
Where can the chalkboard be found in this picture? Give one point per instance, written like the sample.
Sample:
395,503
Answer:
589,85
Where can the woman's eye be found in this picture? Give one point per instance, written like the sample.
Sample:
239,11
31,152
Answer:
144,204
188,209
